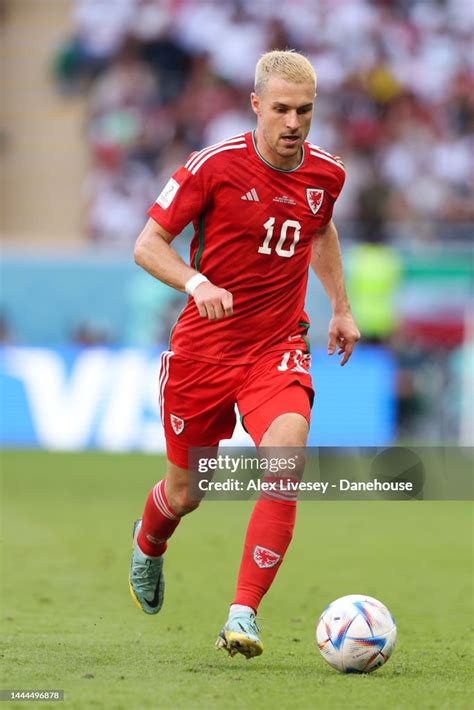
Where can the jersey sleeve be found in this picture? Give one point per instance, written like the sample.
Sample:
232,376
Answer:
183,198
338,178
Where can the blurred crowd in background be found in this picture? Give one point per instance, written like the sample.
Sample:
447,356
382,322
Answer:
395,101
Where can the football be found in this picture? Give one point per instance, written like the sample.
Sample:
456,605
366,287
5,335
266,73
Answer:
356,634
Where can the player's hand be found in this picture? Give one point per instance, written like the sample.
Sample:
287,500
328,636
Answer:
212,302
343,335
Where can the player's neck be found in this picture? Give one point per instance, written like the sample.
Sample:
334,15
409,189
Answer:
272,157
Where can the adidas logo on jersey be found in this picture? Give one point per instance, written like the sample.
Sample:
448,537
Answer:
251,196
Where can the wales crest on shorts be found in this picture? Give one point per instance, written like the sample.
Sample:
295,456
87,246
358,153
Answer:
314,196
177,423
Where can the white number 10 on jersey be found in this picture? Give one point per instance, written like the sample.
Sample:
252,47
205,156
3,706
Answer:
280,249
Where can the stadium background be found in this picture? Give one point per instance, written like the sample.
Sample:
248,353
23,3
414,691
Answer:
102,106
103,99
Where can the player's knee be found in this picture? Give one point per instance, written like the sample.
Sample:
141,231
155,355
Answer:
290,430
177,490
181,502
286,439
289,441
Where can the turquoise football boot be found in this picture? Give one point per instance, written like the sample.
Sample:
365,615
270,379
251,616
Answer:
240,635
146,581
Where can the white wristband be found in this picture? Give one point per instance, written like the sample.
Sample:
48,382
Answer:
194,282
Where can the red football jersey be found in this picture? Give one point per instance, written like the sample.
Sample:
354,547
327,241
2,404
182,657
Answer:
253,230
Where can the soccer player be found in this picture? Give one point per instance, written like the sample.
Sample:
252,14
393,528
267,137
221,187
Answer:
261,204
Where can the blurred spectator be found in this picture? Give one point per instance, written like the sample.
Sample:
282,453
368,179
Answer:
119,191
120,100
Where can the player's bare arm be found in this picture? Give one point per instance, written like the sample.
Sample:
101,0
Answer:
326,263
154,253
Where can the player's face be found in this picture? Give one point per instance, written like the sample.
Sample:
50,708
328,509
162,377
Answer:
284,112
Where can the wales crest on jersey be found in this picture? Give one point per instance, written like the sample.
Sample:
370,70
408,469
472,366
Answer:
315,198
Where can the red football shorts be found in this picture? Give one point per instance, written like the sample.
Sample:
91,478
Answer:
197,399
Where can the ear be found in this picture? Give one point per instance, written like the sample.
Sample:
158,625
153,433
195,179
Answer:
255,103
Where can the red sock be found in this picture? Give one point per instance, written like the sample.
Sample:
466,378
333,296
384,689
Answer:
159,522
268,535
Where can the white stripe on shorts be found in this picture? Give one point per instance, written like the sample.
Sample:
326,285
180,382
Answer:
163,379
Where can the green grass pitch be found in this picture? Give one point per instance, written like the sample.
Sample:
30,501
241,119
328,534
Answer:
68,620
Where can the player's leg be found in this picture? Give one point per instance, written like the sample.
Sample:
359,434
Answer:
291,428
271,525
167,502
195,412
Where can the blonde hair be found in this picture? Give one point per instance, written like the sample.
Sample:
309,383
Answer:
287,64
